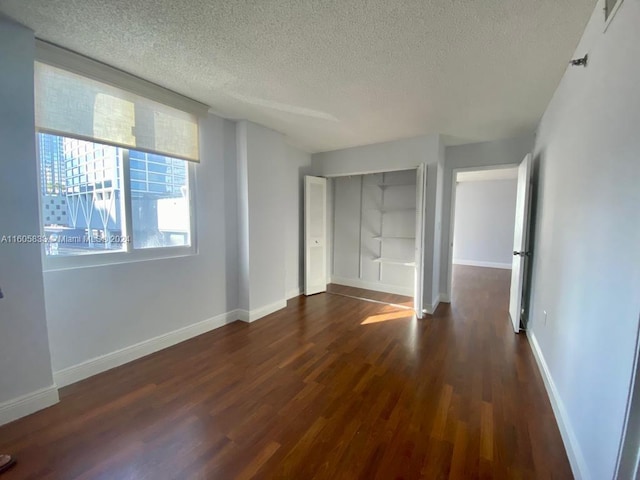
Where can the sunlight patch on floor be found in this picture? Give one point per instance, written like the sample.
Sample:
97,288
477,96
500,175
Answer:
385,317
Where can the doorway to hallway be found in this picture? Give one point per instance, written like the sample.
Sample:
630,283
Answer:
489,218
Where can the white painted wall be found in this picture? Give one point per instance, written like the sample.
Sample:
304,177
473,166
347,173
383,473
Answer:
586,263
297,165
358,220
25,364
95,311
331,185
437,225
484,223
265,189
398,155
345,227
242,191
379,157
266,159
499,152
229,157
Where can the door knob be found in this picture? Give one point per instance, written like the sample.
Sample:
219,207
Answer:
523,253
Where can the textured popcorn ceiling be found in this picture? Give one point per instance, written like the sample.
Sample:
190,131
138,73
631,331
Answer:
335,73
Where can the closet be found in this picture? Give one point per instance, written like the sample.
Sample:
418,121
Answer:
374,232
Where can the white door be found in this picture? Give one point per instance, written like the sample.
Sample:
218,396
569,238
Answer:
418,294
315,241
520,252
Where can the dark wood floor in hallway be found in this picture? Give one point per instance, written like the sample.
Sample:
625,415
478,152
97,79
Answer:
330,387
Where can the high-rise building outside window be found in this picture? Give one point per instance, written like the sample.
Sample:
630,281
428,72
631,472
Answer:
84,198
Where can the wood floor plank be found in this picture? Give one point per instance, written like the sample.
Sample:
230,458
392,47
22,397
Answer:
330,387
486,431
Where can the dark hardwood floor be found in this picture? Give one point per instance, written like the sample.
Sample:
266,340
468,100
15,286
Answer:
330,387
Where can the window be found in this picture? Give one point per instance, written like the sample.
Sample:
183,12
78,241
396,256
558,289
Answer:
115,166
86,200
159,203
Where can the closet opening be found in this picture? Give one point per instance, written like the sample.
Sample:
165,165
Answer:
374,251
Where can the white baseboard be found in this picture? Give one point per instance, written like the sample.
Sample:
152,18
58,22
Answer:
294,292
429,309
28,404
444,298
576,459
476,263
378,287
100,364
256,313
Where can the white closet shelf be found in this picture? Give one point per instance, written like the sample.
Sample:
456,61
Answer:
394,261
385,185
392,237
395,209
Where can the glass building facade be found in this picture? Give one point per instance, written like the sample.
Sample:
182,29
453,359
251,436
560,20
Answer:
52,165
83,195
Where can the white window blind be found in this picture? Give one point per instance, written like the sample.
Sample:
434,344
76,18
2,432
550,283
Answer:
75,105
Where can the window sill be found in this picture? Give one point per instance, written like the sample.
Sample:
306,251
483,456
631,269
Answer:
54,264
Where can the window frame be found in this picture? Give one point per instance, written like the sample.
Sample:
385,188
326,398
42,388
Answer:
129,254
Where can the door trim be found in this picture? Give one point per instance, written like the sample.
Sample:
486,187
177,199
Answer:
452,216
421,210
628,462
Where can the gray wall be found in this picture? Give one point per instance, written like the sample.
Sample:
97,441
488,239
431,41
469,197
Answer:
379,157
586,264
25,364
499,152
263,169
242,191
97,310
270,218
484,223
298,164
345,227
437,221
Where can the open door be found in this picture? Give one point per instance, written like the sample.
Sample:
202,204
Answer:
315,233
418,294
521,253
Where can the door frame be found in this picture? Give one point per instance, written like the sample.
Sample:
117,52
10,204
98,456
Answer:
421,214
418,296
452,218
628,461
